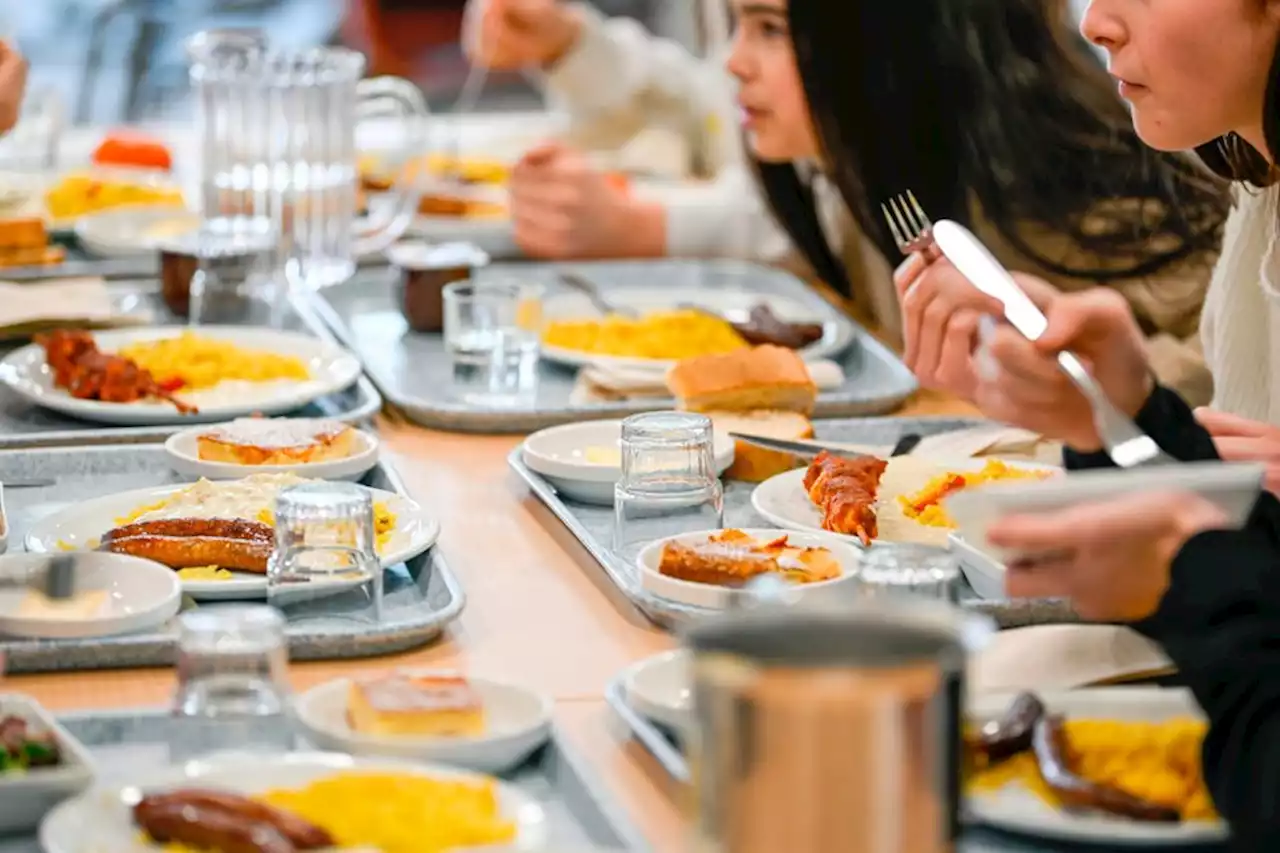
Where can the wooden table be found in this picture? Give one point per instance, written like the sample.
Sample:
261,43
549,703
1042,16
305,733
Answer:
539,610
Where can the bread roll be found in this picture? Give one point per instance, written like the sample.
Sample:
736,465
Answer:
761,378
752,464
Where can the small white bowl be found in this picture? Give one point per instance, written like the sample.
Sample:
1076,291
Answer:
984,574
25,798
139,594
184,457
719,597
518,721
661,688
560,455
126,232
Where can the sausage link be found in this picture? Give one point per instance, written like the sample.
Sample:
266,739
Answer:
208,829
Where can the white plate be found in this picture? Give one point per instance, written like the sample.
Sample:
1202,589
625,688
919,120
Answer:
184,456
518,721
126,232
137,594
983,573
108,809
151,178
661,688
782,500
710,595
1016,809
332,369
560,455
732,304
85,522
1234,487
26,798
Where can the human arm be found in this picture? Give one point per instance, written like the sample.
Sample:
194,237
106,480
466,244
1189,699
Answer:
13,84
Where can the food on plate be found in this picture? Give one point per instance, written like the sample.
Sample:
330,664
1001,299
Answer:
24,241
205,574
84,605
765,327
753,464
759,378
132,150
402,705
80,195
1144,771
225,823
664,335
439,203
87,373
276,441
180,543
732,558
376,177
23,747
845,490
192,362
925,506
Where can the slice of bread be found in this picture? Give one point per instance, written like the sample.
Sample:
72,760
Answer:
760,378
752,464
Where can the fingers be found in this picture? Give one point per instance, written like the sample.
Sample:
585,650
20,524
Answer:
908,272
1046,579
931,300
1097,313
1224,424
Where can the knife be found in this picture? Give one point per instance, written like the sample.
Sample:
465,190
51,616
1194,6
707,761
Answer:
808,449
987,274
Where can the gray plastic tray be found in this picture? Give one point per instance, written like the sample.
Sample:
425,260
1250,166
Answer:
593,527
420,596
23,424
580,812
413,371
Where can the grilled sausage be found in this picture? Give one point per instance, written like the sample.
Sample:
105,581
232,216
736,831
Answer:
1012,733
301,833
203,828
225,528
182,543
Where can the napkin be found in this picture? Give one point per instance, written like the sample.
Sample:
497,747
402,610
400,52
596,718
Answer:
610,383
27,309
1064,657
991,440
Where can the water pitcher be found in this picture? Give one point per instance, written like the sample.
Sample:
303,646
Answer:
278,137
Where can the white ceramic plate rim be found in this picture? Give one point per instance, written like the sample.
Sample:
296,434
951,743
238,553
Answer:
67,820
548,465
643,701
99,233
181,447
43,536
1162,703
26,372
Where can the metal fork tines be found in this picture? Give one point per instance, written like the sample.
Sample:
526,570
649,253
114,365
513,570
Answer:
910,227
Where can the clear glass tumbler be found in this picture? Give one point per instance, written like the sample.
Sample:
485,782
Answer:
492,328
233,687
669,483
908,569
325,564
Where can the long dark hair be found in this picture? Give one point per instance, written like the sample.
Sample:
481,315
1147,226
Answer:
998,102
1233,158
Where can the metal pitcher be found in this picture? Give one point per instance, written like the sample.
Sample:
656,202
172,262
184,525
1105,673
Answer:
830,730
278,139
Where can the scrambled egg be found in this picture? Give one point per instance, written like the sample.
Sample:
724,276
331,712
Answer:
205,573
79,195
197,362
925,506
661,335
1159,762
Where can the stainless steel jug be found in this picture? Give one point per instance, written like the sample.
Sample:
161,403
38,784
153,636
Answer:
830,730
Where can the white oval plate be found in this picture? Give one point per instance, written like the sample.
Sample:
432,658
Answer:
184,457
709,595
1016,809
85,522
570,305
518,721
661,688
130,232
560,455
108,809
136,594
332,369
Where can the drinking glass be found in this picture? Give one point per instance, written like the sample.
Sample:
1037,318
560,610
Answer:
669,484
908,569
233,688
279,144
491,332
325,564
232,282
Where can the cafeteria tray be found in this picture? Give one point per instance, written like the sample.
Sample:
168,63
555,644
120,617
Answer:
593,527
580,813
413,371
421,596
24,424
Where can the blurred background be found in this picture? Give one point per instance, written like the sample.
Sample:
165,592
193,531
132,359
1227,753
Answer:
116,61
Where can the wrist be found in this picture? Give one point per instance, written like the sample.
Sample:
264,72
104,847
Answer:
642,229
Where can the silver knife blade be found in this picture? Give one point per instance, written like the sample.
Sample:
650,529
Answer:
987,274
803,448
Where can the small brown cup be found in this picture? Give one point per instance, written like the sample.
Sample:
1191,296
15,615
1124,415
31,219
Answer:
230,260
424,270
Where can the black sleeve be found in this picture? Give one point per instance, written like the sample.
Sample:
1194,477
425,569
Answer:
1167,419
1220,624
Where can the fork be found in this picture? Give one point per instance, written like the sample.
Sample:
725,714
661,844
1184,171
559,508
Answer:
1126,444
